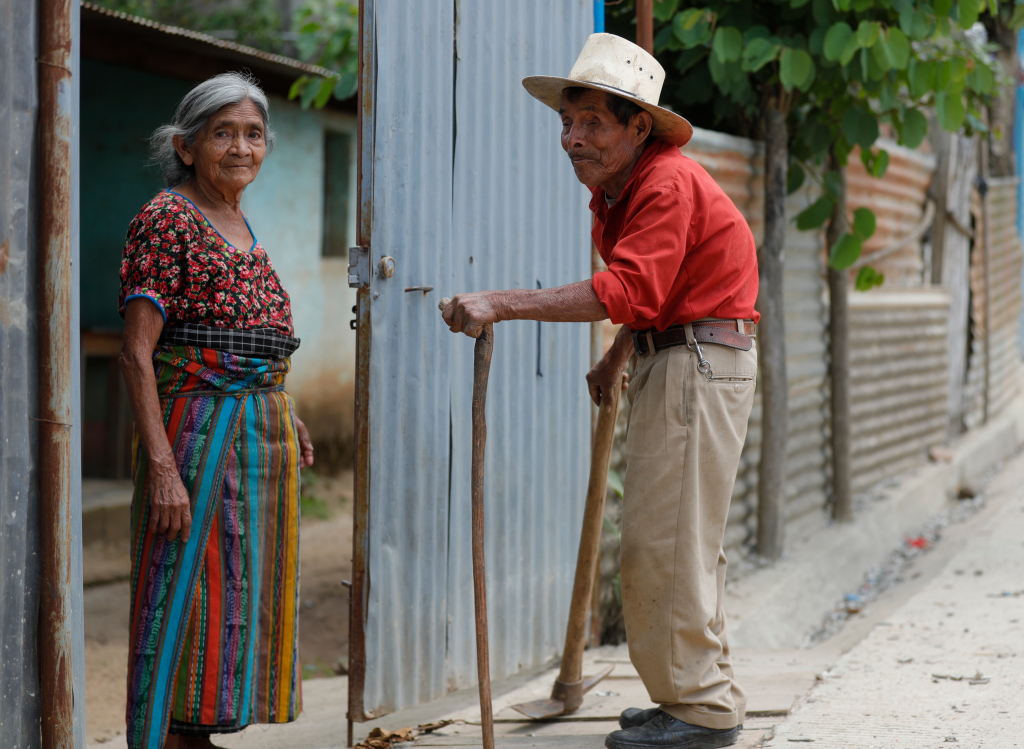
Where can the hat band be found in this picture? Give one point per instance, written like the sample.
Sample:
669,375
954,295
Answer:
614,88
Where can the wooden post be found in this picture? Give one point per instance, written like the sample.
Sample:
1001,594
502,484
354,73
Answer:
645,25
839,332
771,487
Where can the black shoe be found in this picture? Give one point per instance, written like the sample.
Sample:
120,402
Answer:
665,732
633,717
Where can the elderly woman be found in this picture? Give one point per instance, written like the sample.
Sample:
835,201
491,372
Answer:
215,518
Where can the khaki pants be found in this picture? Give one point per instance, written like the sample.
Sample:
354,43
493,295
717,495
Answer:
682,451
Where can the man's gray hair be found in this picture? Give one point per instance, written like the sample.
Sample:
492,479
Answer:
194,111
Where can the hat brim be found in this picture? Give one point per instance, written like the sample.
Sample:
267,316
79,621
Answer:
668,126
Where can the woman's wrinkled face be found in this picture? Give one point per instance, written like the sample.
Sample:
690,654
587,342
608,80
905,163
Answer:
228,152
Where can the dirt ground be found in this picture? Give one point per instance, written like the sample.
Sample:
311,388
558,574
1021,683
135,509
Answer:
325,560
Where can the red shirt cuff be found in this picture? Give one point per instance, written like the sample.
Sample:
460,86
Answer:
611,293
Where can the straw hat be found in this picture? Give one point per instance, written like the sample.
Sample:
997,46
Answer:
610,63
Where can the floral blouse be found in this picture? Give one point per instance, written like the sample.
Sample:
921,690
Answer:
174,257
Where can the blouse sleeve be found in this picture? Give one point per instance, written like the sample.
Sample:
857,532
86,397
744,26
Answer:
154,257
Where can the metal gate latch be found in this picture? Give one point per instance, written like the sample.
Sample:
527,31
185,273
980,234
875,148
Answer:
358,267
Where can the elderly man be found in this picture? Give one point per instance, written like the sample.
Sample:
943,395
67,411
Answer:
682,280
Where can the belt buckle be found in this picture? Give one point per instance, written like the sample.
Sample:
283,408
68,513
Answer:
636,343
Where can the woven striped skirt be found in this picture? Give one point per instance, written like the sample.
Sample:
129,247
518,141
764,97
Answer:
214,621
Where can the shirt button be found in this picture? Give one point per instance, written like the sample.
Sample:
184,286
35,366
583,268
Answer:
737,388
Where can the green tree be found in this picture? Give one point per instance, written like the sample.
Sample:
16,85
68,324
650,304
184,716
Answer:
329,37
255,23
817,79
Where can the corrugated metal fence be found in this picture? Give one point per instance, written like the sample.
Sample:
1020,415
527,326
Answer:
990,394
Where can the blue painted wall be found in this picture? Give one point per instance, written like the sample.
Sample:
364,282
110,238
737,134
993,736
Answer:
120,109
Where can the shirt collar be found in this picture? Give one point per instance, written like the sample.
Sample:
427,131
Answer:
654,149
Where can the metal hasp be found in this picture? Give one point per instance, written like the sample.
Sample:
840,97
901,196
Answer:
481,370
358,267
567,694
55,117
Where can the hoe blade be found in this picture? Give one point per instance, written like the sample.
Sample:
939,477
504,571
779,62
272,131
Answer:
541,709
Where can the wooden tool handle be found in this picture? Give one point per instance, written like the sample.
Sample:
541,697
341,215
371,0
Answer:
590,545
481,371
443,303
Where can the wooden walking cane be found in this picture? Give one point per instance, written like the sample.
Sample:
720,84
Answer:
481,370
567,695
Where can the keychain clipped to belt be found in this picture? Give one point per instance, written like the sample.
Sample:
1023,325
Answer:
703,365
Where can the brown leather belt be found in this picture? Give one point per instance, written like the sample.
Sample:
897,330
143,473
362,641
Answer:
722,332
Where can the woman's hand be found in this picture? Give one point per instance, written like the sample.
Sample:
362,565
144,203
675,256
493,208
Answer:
305,445
170,511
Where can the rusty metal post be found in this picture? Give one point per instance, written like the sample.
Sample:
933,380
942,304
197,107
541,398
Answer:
361,505
645,25
55,399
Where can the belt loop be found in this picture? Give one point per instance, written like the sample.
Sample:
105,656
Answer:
650,343
739,326
690,340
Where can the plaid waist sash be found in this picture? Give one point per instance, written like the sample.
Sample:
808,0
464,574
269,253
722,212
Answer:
255,343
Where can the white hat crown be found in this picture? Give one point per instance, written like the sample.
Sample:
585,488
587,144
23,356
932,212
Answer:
614,62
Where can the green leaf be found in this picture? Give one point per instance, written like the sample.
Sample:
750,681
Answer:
816,42
864,223
915,127
943,8
691,26
867,33
860,126
324,91
859,6
758,53
949,110
666,40
1016,22
794,177
796,69
309,93
665,9
814,215
881,164
867,278
798,3
923,78
969,10
981,79
298,86
892,52
836,39
690,57
845,252
852,45
728,44
615,481
346,86
915,23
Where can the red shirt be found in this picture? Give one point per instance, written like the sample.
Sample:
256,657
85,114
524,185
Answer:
676,247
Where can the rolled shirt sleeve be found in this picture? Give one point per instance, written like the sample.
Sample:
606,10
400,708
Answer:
646,261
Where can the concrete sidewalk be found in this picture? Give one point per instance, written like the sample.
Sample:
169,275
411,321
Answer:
945,667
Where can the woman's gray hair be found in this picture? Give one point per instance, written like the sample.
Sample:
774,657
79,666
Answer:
194,111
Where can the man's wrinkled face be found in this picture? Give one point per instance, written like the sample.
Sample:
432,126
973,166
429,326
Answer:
599,147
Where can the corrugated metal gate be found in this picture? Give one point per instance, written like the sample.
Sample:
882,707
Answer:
464,184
